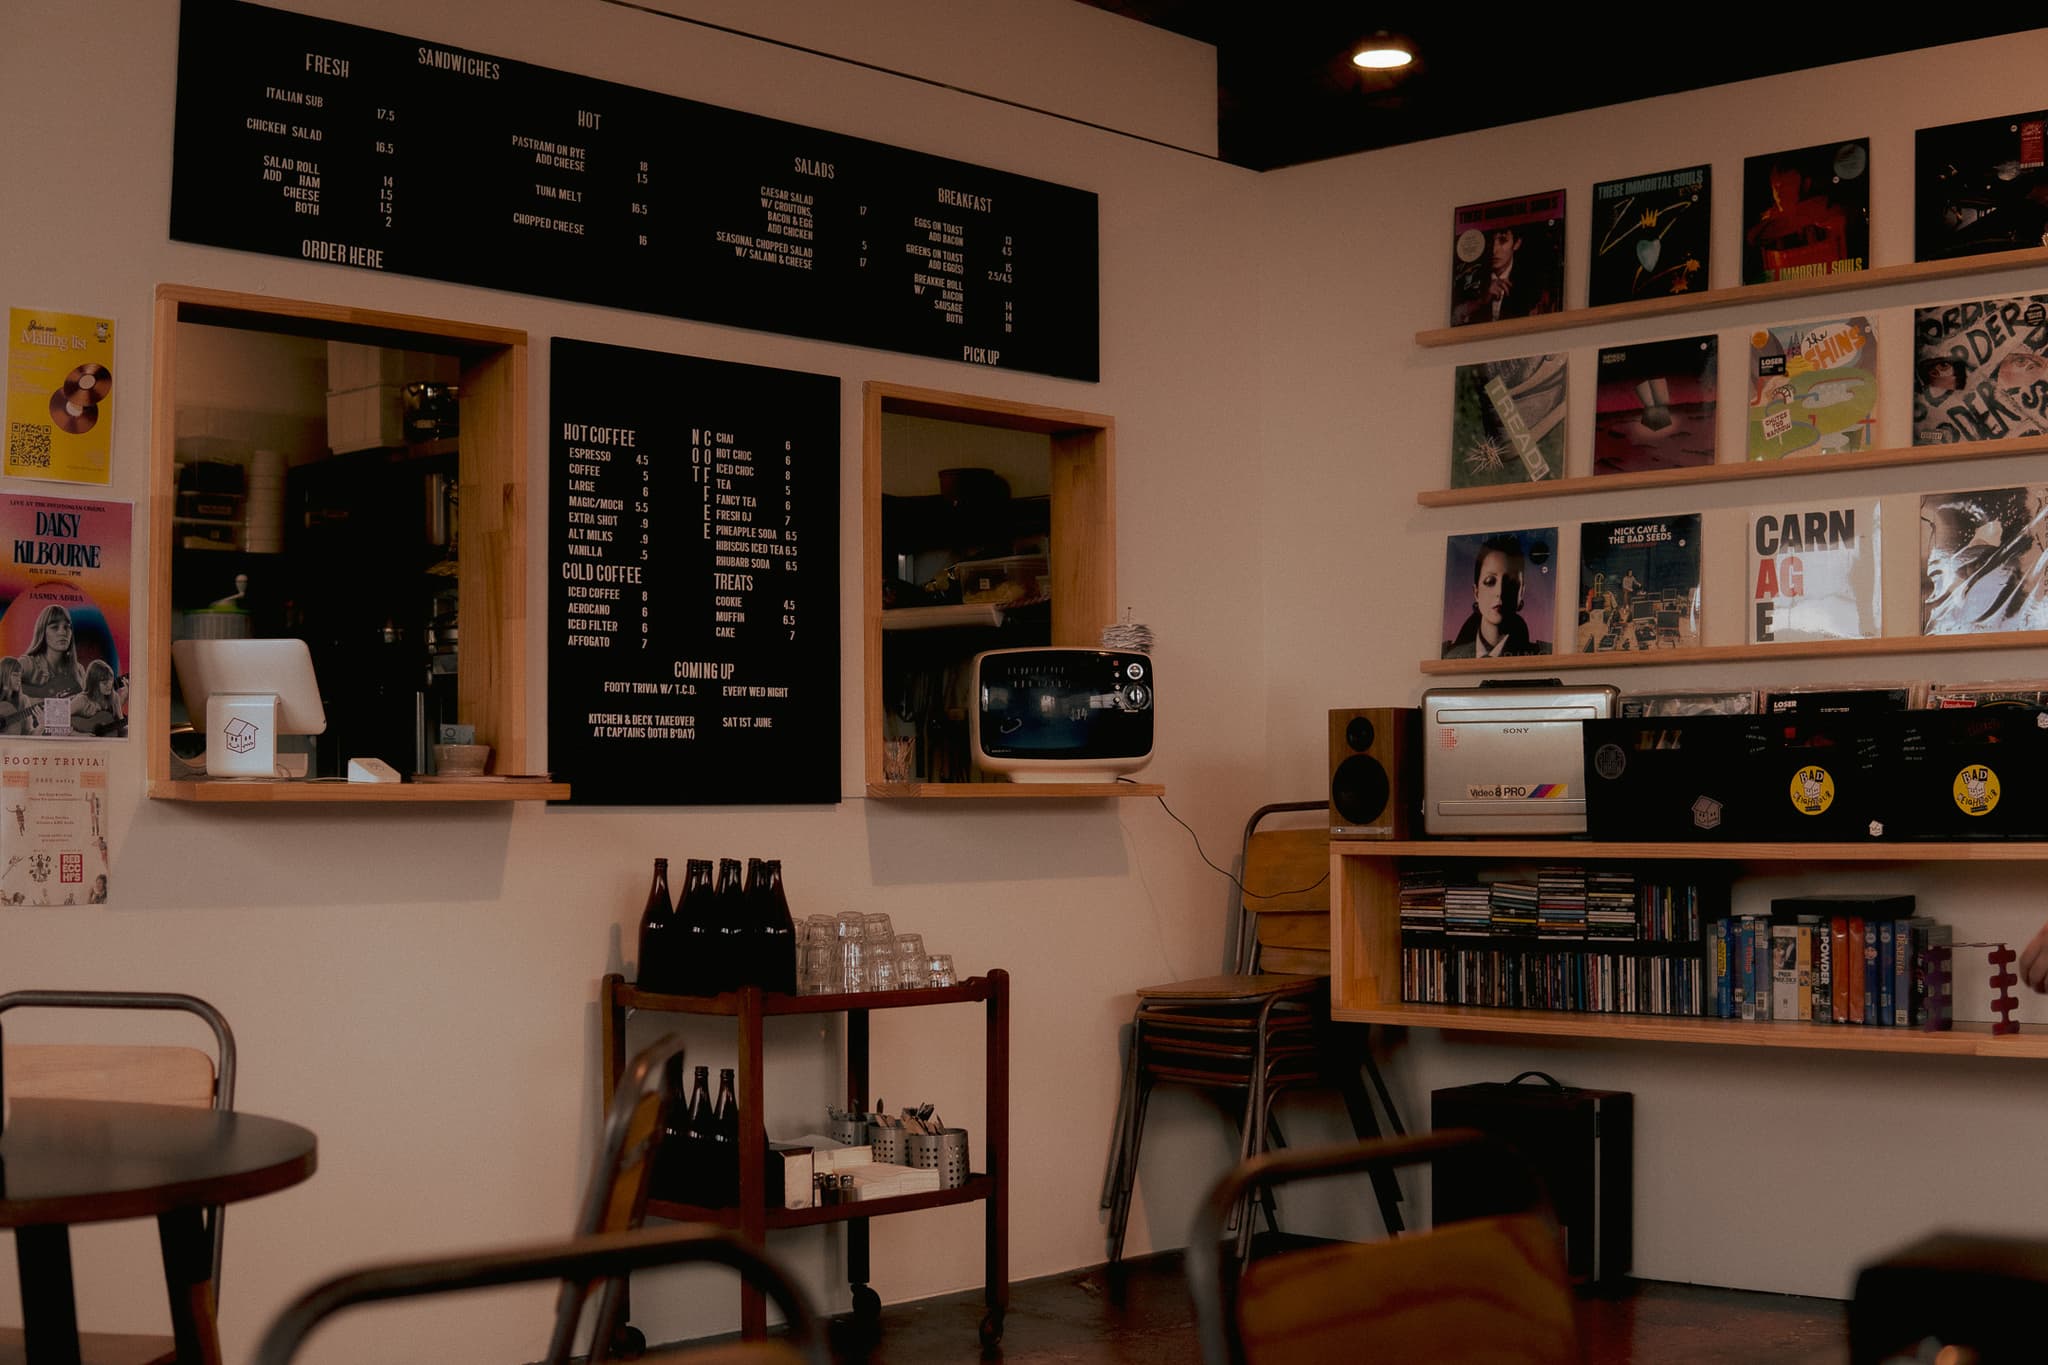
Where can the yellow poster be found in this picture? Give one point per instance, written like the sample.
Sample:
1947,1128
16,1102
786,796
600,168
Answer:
60,396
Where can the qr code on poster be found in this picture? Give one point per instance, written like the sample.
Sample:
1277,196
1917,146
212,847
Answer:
28,446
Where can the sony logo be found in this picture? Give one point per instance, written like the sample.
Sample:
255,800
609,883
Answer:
1514,729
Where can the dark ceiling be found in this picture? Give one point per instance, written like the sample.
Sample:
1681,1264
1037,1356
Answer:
1287,92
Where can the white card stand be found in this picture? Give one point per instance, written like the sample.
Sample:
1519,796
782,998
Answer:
241,735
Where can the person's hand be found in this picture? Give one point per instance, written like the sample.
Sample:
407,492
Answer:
2034,961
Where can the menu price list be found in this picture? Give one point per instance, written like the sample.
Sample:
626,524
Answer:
693,650
324,141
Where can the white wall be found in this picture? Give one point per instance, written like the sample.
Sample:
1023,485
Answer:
419,988
1757,1169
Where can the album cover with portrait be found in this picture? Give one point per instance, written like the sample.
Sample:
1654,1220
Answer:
1500,594
1984,560
1507,258
1806,212
1980,370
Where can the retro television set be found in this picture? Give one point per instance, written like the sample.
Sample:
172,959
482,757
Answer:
244,694
1050,713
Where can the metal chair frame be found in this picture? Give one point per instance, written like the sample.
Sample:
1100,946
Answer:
609,1257
1260,1011
224,1048
643,1091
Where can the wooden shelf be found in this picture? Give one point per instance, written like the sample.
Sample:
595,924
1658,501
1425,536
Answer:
733,1002
219,792
1746,654
952,617
1577,850
1897,457
1915,272
977,1188
1964,1040
1009,791
1365,945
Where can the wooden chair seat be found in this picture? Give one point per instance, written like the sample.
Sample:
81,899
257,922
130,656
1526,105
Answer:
1492,1290
1233,987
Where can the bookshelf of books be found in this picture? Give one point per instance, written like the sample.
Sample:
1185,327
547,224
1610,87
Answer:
1649,967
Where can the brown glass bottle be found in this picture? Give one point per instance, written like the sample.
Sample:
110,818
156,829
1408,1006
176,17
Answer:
696,931
722,1169
679,1161
658,946
774,930
730,955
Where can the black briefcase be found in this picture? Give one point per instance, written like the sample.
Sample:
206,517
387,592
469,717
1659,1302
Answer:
1582,1143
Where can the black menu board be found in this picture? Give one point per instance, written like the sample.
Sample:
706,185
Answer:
693,579
323,141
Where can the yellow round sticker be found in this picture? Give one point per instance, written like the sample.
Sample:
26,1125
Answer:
1813,791
1976,790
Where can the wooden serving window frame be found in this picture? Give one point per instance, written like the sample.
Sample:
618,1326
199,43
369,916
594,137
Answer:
491,580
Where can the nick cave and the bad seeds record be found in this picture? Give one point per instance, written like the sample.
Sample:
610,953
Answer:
1815,571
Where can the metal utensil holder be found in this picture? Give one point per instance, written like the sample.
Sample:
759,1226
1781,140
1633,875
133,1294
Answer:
944,1151
887,1140
851,1131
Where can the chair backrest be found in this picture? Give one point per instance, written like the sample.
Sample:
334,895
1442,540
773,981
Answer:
1494,1288
1283,922
615,1195
139,1074
609,1257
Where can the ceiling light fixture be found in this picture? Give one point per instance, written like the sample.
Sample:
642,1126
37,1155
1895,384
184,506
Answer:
1383,52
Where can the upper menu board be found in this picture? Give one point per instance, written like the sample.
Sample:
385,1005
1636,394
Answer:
323,141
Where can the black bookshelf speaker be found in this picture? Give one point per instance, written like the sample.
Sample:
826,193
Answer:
1375,772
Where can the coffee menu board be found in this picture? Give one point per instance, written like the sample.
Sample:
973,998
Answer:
693,579
324,141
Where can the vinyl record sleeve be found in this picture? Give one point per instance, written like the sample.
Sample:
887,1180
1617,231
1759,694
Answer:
1815,572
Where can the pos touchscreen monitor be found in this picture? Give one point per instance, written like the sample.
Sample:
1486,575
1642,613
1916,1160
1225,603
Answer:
244,694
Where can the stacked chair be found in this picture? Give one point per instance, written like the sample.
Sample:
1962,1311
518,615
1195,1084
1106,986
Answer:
1259,1031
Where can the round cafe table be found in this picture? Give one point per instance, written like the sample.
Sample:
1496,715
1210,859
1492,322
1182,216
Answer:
94,1161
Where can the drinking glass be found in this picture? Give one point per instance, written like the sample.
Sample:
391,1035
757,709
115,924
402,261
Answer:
941,969
853,962
882,969
876,929
912,968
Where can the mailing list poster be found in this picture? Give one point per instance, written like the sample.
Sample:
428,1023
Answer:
53,826
64,609
60,396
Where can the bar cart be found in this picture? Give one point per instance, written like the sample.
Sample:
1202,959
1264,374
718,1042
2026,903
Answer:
749,1007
